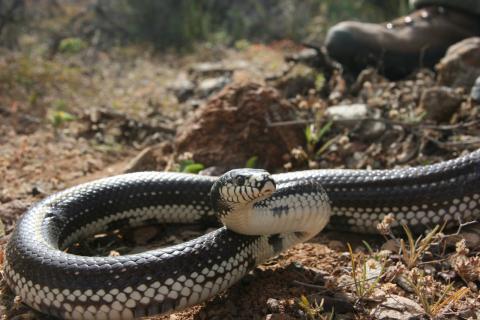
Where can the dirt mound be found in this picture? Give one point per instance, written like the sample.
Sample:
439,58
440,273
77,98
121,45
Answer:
234,126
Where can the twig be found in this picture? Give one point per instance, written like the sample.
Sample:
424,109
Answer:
462,225
287,123
309,285
386,121
454,143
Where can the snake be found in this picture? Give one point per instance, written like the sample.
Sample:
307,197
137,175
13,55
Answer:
262,215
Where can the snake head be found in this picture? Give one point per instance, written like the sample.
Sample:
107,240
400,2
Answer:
240,188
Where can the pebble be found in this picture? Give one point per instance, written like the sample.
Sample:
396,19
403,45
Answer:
440,103
183,88
370,130
347,112
397,307
274,305
210,85
475,92
336,245
460,66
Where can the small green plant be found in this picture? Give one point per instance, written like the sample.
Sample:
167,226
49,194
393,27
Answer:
314,310
58,114
416,248
364,285
251,162
242,44
189,166
59,117
71,45
319,81
314,135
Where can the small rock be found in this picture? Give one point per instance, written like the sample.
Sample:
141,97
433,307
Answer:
274,305
209,69
475,92
345,281
336,245
440,103
208,86
404,283
183,88
347,112
397,307
370,130
447,276
461,65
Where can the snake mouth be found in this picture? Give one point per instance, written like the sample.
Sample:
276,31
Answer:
268,188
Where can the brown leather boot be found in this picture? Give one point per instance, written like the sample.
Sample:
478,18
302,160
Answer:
399,47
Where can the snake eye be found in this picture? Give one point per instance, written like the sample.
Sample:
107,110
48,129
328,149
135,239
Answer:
240,180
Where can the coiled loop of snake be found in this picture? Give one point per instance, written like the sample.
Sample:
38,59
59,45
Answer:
69,286
157,281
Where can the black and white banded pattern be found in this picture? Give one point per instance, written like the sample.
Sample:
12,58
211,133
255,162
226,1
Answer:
77,287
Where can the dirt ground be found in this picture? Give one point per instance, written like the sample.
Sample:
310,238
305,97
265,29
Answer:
80,117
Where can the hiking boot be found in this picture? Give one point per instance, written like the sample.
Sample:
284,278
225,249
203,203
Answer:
399,47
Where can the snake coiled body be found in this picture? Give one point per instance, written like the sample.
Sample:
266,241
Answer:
70,286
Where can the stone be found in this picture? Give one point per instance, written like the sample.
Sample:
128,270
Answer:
336,245
397,307
211,85
440,103
460,67
183,88
370,130
232,127
475,92
209,69
347,112
274,305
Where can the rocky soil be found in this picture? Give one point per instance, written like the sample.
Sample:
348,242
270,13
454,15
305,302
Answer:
79,117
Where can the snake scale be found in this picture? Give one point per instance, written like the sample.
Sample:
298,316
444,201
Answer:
272,211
